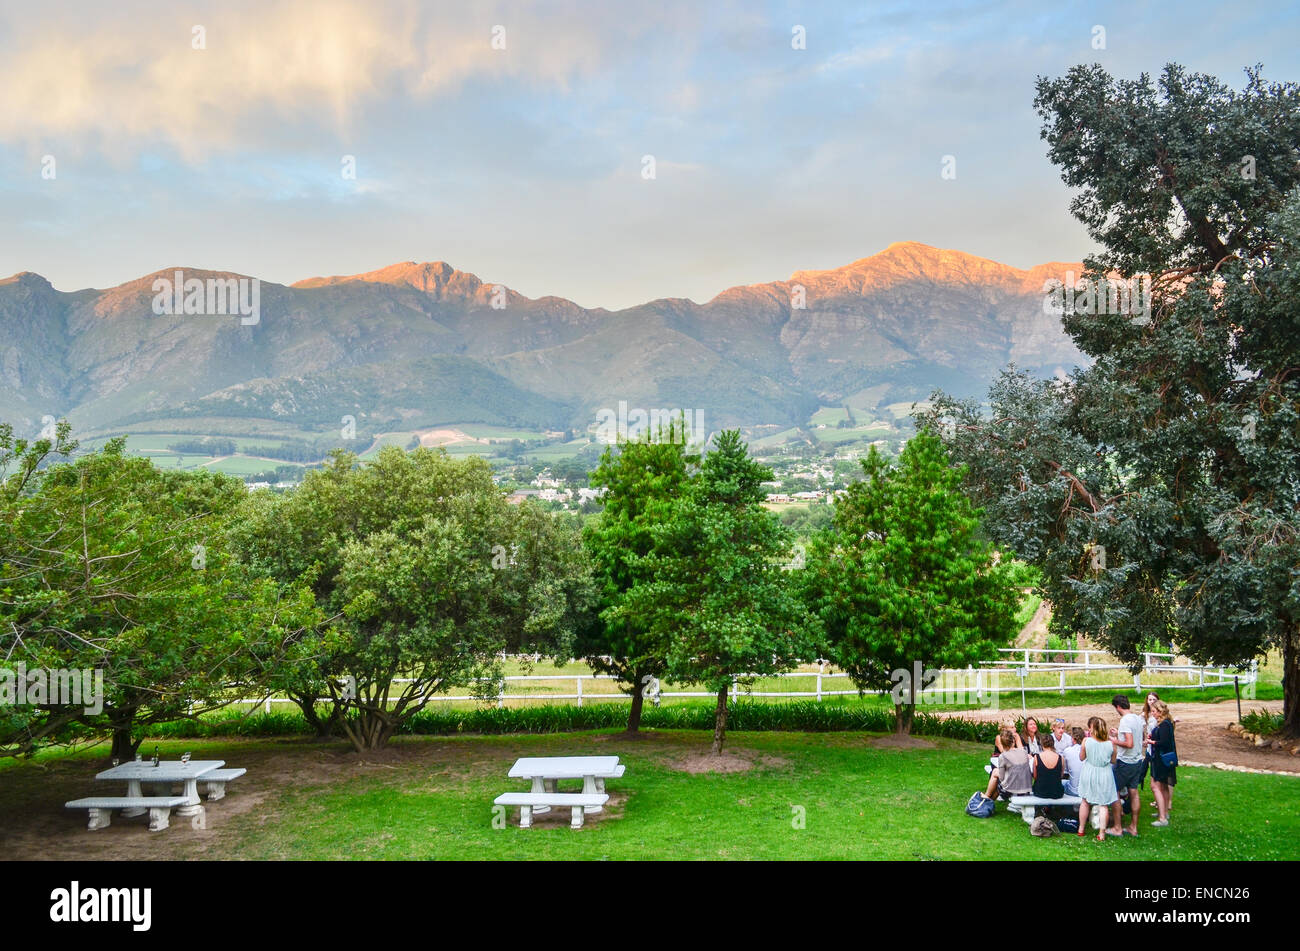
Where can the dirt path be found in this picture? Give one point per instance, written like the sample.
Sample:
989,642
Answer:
1034,634
1200,730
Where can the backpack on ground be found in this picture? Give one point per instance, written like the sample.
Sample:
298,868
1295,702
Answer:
1070,826
979,807
1043,826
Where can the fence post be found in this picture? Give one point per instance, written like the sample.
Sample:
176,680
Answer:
268,704
501,694
1202,672
1087,660
819,687
1062,681
579,680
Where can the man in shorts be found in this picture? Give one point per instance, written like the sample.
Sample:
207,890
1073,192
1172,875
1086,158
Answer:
1130,758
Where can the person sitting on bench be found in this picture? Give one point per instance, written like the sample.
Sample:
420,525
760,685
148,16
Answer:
1014,775
1074,762
1048,768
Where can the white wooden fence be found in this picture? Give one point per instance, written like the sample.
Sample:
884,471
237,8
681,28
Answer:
1011,672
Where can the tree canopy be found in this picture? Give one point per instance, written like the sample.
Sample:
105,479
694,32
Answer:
1157,487
905,578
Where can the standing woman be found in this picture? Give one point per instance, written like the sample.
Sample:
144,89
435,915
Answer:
1164,767
1149,714
1097,780
1031,739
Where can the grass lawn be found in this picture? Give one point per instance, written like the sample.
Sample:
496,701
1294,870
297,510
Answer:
431,797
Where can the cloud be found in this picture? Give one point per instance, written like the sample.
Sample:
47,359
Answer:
134,80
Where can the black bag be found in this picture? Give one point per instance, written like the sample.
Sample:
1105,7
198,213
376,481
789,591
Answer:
1068,825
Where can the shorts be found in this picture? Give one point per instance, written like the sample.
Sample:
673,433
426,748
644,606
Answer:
1128,776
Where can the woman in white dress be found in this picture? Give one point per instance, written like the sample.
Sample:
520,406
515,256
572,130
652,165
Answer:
1097,780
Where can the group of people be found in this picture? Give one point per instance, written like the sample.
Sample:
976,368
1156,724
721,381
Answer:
1105,767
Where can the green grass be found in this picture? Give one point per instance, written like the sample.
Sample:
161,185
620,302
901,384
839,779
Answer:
427,798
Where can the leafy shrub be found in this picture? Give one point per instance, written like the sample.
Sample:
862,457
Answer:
1262,722
1058,644
804,716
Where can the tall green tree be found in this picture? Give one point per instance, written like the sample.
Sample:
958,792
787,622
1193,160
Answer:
716,594
430,575
642,480
904,577
114,566
1157,487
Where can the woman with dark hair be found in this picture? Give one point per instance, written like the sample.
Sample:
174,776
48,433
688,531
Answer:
1031,741
1164,760
1049,769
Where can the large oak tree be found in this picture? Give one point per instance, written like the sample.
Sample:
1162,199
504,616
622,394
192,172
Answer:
1159,488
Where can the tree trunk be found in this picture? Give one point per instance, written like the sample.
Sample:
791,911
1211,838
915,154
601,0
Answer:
720,722
634,718
370,730
323,727
1291,683
903,714
123,747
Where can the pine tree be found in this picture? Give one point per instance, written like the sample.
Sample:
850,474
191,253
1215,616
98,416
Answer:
903,576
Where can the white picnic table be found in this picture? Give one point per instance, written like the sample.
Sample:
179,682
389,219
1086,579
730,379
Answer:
545,770
167,771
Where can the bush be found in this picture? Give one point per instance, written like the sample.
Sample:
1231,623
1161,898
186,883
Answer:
1056,645
804,716
1262,722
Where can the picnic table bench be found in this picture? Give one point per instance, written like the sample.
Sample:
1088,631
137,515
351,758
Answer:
161,777
579,803
545,771
215,782
101,809
1026,805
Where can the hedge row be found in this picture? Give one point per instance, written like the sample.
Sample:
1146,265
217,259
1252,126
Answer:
803,716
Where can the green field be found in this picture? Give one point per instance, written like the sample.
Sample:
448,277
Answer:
776,439
906,408
790,796
838,436
828,416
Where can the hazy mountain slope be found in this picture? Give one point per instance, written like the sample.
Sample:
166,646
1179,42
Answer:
430,343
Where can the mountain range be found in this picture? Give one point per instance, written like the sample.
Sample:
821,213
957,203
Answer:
416,345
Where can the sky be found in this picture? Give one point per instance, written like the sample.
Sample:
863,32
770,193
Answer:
516,140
